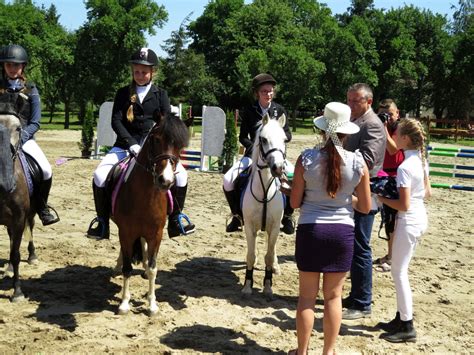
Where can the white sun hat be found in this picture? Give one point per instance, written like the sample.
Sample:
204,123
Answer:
336,119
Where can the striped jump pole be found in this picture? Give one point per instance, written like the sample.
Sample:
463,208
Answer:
452,187
451,154
188,156
450,149
454,173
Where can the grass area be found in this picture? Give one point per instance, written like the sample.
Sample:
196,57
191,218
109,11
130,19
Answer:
465,141
58,122
303,126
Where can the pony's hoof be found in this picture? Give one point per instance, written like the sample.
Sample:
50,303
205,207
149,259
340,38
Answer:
153,311
18,298
277,270
8,271
246,291
33,260
268,293
123,310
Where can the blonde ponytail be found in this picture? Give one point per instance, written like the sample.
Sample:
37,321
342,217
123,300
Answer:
133,99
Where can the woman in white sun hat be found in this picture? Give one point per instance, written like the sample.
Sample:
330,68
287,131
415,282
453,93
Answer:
324,182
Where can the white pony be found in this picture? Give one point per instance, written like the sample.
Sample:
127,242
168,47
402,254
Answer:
262,206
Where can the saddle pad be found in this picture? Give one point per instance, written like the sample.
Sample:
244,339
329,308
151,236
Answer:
26,172
7,176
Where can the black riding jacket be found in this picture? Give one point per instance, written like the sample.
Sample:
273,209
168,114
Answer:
251,117
156,104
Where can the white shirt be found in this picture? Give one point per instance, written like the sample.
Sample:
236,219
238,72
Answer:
142,91
410,174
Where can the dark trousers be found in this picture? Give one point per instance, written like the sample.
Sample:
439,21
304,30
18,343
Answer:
361,268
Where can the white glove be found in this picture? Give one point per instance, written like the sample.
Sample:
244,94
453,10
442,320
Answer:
135,149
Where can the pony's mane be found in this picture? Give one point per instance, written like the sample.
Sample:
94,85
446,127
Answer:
173,131
256,146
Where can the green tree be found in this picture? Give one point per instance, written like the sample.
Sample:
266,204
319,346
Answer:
187,76
462,66
39,32
114,29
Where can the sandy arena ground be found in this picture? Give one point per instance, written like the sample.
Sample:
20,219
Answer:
72,296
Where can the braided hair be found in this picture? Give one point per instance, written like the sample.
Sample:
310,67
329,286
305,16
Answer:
133,99
414,130
333,167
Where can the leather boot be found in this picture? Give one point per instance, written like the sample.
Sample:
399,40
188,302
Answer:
175,219
42,207
102,207
405,332
234,203
288,225
390,326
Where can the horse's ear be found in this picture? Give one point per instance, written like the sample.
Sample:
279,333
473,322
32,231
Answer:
265,119
282,120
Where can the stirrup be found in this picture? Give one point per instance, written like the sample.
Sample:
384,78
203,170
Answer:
182,227
55,216
231,217
103,229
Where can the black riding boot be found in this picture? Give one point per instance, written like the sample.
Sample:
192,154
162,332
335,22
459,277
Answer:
288,226
102,207
405,332
175,225
42,208
234,204
390,326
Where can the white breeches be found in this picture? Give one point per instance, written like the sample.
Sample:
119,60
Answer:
116,154
241,165
33,149
406,237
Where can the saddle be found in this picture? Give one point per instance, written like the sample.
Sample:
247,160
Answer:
240,183
32,171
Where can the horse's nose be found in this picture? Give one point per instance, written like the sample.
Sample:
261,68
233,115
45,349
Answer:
277,170
164,183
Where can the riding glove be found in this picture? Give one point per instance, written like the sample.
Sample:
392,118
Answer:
135,149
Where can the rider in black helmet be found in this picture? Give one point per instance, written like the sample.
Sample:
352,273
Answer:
263,87
136,109
21,98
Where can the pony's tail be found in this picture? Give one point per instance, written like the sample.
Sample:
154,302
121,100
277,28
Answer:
137,254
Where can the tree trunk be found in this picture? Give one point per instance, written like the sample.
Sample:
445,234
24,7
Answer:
66,114
293,120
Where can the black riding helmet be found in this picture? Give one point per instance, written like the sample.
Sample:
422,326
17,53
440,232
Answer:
144,56
261,79
13,53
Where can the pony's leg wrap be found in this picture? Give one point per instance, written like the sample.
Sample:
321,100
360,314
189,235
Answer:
268,282
248,283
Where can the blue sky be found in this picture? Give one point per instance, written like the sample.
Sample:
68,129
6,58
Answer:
73,13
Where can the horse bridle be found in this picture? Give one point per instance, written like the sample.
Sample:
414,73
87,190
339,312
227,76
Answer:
154,160
264,154
265,200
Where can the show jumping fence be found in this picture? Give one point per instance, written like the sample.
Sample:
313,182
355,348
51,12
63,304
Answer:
451,170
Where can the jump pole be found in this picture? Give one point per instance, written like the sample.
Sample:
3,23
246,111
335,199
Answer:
454,153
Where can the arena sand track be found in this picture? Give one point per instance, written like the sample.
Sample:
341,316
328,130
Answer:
72,296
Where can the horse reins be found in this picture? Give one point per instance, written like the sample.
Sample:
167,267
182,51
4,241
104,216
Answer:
265,200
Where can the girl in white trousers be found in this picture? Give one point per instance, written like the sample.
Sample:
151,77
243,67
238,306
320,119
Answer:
413,186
